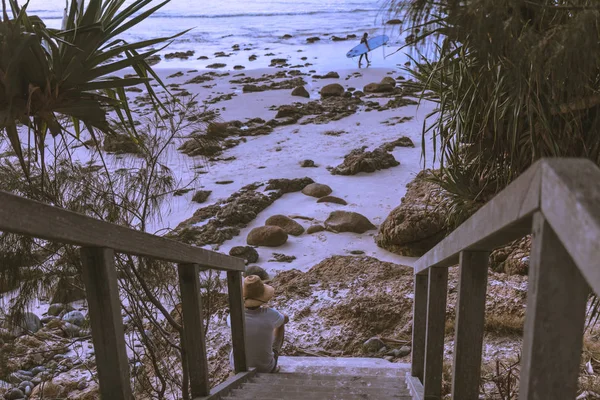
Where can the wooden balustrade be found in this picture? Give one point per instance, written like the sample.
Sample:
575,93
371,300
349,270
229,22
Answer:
99,241
558,202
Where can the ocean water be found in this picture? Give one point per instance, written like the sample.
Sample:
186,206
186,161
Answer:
255,25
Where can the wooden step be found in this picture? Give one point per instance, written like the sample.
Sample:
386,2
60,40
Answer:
240,394
329,381
304,389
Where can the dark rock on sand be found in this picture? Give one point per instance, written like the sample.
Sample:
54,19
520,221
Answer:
202,58
290,226
359,160
300,91
313,39
394,22
419,223
315,228
216,65
153,59
180,54
317,190
347,221
388,80
404,141
121,143
285,185
332,90
176,75
378,88
329,75
238,67
332,199
246,252
278,257
308,164
201,196
253,57
271,236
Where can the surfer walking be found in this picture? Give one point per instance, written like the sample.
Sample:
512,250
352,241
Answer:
365,41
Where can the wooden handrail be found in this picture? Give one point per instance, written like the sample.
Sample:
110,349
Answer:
558,202
99,240
39,220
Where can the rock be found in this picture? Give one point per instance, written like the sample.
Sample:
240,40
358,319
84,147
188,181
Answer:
402,351
252,89
238,67
287,111
217,129
70,330
419,223
512,259
358,93
315,228
278,257
300,91
332,90
271,236
347,221
329,75
216,65
285,185
74,317
38,370
180,54
30,323
357,252
308,164
388,80
201,195
258,271
317,190
359,160
202,58
223,182
373,345
401,142
246,252
290,226
55,309
121,143
153,59
82,384
313,39
388,358
68,290
253,57
332,199
394,22
14,394
287,36
49,390
378,88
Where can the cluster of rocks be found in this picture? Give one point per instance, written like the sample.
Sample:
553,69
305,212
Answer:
359,160
123,143
320,112
184,55
284,84
375,346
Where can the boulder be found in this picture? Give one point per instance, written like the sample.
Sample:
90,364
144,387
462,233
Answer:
358,93
74,317
300,91
271,236
55,309
373,345
317,190
378,88
315,228
394,22
290,226
285,185
48,390
258,271
332,199
419,222
404,141
308,164
348,221
512,259
359,160
217,129
31,322
332,90
388,80
329,75
14,394
246,252
313,39
201,196
68,290
286,111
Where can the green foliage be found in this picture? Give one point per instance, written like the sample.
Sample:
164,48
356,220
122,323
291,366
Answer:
51,77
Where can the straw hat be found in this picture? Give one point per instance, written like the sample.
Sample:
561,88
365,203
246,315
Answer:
256,293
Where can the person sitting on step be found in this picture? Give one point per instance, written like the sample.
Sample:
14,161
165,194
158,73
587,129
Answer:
264,326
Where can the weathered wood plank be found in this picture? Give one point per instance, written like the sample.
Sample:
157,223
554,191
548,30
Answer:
554,320
237,317
434,337
193,329
220,391
32,218
571,205
506,217
102,292
419,325
470,316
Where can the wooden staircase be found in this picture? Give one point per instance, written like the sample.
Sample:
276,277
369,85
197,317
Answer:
309,378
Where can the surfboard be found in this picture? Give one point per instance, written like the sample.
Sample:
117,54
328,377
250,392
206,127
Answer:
374,43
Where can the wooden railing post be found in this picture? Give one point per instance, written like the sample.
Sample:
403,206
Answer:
434,338
470,318
419,326
554,320
193,329
237,317
102,291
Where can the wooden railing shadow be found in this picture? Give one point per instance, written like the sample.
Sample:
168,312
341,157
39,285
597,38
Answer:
558,202
99,241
